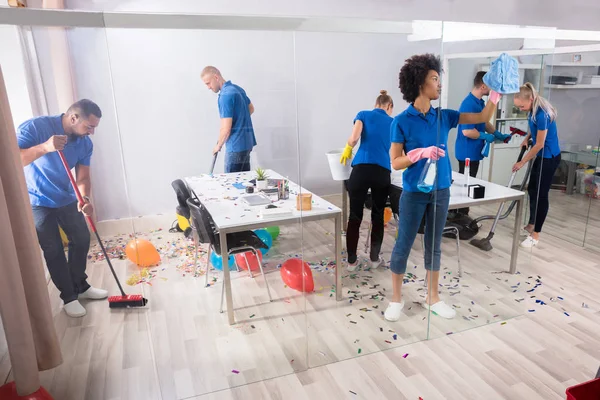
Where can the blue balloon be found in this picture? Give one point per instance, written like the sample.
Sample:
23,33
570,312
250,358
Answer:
267,239
217,261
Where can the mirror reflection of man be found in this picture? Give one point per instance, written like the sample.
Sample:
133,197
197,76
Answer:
470,138
235,109
53,199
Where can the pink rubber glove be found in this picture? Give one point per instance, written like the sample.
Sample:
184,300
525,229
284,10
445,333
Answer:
495,97
432,152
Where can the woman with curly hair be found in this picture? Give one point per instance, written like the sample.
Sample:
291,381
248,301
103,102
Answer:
416,134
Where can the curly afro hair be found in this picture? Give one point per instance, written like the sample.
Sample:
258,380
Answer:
413,74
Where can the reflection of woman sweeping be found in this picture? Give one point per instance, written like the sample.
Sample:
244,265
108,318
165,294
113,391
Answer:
371,170
415,131
546,150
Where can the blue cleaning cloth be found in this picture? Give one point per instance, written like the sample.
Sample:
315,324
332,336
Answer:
503,76
486,150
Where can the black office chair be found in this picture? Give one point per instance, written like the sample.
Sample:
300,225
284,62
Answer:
237,243
182,210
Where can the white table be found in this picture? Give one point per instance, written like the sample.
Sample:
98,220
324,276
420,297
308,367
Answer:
231,214
494,193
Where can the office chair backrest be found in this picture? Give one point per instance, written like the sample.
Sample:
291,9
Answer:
183,193
202,222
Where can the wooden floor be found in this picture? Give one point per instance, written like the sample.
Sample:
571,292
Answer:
501,345
575,218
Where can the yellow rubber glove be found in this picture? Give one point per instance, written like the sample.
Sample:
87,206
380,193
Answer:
346,154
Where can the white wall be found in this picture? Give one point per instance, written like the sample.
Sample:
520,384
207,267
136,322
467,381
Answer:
339,75
13,69
168,120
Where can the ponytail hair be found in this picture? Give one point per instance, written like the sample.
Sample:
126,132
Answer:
527,91
384,99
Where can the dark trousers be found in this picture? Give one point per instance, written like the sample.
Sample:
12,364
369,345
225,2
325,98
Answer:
363,178
237,161
473,169
68,275
539,189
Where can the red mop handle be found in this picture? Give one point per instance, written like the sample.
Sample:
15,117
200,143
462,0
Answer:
75,188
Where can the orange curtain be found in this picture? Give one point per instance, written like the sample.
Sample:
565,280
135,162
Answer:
24,302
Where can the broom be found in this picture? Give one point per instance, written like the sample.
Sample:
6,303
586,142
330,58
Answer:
124,300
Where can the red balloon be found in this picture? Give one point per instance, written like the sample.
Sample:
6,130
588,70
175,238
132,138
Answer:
9,392
297,275
240,260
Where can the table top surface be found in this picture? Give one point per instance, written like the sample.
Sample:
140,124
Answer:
458,193
224,201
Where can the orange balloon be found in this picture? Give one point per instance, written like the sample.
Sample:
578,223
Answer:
142,253
387,215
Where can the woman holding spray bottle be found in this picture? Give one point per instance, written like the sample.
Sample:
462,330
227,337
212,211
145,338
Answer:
416,134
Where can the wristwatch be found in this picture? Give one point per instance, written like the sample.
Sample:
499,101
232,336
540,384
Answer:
86,199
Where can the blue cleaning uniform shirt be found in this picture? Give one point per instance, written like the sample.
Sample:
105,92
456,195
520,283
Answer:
466,147
233,103
47,181
417,130
375,138
542,122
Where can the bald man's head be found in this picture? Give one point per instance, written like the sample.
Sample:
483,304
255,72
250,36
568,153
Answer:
212,78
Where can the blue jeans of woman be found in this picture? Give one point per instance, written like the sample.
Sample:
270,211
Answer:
413,205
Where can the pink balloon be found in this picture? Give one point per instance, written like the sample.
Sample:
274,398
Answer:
297,275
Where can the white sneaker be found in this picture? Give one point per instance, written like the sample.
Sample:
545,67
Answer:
353,267
529,242
393,312
74,309
376,264
94,294
525,232
441,309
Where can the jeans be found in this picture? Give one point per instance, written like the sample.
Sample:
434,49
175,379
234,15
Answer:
473,169
363,178
68,276
413,205
237,161
539,188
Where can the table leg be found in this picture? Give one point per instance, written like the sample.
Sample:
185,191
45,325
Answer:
227,279
571,172
344,206
515,244
338,258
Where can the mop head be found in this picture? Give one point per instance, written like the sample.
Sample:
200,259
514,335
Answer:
127,301
484,244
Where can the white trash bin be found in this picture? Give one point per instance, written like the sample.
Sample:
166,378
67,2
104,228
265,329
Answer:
339,171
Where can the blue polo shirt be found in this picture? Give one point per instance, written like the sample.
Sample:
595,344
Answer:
47,181
233,103
416,130
375,138
466,147
542,122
